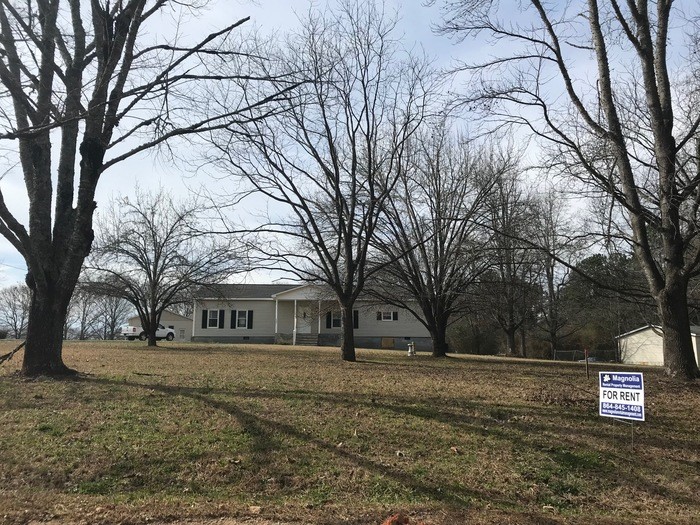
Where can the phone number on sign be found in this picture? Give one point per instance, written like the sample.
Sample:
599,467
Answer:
622,408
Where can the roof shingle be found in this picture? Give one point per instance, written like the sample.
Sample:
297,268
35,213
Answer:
242,291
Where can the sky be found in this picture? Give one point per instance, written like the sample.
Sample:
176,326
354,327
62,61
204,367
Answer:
268,16
275,17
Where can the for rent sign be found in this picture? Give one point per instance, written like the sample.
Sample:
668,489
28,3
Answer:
622,395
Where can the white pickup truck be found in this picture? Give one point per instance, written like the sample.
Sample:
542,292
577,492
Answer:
137,332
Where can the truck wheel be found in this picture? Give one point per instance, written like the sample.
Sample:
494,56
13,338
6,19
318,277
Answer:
143,336
131,338
170,337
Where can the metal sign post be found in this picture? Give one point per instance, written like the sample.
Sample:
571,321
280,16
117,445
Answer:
631,425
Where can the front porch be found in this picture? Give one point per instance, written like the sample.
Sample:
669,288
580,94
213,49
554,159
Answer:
303,319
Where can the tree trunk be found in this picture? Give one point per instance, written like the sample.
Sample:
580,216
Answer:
523,342
43,353
151,334
439,337
152,328
347,342
510,340
679,359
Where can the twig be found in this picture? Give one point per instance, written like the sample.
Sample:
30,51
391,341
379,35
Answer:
7,357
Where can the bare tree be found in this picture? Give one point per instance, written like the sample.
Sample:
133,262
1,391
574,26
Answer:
153,250
85,81
508,290
632,136
184,308
431,235
561,250
112,312
85,313
14,309
331,153
606,296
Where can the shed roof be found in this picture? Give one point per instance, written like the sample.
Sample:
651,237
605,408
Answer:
694,330
242,291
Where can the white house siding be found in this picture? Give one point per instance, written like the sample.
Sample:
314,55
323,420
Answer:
645,347
642,348
262,330
181,324
373,333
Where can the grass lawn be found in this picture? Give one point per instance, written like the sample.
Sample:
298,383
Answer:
200,432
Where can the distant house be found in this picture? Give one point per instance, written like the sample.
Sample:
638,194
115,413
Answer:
294,314
644,346
181,324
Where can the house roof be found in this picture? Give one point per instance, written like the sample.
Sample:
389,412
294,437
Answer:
183,317
694,330
242,291
305,292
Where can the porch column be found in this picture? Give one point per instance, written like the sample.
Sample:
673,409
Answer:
319,317
294,333
276,324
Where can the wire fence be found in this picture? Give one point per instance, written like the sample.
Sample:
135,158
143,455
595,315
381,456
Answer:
578,354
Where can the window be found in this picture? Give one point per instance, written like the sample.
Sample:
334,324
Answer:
213,318
336,320
241,319
387,316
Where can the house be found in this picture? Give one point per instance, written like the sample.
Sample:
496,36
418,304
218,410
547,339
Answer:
644,346
181,324
294,314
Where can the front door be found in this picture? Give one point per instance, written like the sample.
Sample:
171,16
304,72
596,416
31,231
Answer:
304,320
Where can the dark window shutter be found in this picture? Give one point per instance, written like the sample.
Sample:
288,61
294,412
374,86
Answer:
395,316
250,319
234,318
355,319
329,320
379,316
205,316
222,314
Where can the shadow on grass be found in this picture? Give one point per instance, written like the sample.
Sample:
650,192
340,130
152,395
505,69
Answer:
506,423
262,430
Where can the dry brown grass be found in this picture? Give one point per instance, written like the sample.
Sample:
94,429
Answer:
202,433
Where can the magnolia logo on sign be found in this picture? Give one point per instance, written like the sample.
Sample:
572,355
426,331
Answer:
622,395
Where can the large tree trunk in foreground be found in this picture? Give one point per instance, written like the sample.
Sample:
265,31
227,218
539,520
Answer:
43,353
347,343
72,74
679,358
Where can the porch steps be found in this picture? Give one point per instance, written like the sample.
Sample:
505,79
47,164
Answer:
307,339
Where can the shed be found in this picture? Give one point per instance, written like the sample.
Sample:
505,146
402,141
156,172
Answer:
644,345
